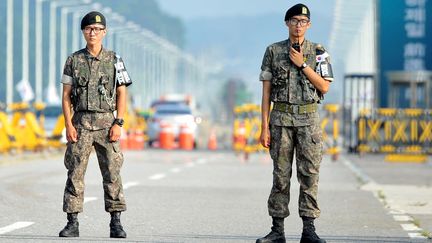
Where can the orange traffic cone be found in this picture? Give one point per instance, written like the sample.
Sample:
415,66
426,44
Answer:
212,142
240,137
186,138
136,139
139,139
166,136
130,139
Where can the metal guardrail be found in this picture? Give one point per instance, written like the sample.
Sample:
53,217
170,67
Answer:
23,129
247,129
395,131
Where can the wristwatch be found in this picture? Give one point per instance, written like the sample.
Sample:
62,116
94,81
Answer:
303,66
119,122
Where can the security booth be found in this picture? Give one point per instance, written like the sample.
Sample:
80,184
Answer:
358,96
410,89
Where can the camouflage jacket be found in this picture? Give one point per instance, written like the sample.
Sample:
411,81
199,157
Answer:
93,88
289,84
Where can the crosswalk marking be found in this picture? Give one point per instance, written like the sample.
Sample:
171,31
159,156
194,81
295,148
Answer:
410,227
15,226
402,218
394,211
416,235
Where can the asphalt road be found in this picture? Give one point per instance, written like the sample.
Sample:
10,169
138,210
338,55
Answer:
198,196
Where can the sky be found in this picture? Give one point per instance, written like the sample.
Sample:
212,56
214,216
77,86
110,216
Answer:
189,9
260,22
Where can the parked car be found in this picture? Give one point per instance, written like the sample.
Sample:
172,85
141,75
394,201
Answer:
157,103
175,114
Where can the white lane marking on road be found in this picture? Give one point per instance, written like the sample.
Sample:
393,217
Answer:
175,170
89,199
201,161
402,218
157,176
15,226
370,185
416,235
410,227
190,164
130,184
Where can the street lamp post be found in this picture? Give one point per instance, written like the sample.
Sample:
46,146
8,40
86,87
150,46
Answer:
9,53
76,8
52,93
38,50
25,41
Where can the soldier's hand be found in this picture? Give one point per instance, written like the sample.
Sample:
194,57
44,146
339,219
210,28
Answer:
115,133
296,57
71,134
265,137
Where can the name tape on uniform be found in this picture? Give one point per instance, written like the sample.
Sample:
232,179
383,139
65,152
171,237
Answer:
324,70
119,65
121,73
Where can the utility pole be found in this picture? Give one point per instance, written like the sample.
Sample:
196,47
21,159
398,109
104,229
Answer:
38,51
9,53
25,40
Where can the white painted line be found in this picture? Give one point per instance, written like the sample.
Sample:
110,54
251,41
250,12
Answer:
410,227
15,226
130,184
190,164
402,218
416,235
157,176
89,199
175,170
357,171
394,211
201,161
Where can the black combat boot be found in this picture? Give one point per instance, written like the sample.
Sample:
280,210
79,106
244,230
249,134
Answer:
308,234
276,235
71,228
116,229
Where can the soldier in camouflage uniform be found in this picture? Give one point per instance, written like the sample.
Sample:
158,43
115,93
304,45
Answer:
94,85
295,75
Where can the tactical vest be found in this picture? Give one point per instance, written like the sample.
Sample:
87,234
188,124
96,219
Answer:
289,84
93,81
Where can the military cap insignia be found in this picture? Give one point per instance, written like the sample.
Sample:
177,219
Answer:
304,10
98,19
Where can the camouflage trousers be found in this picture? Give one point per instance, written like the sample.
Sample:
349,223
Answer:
307,143
110,161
